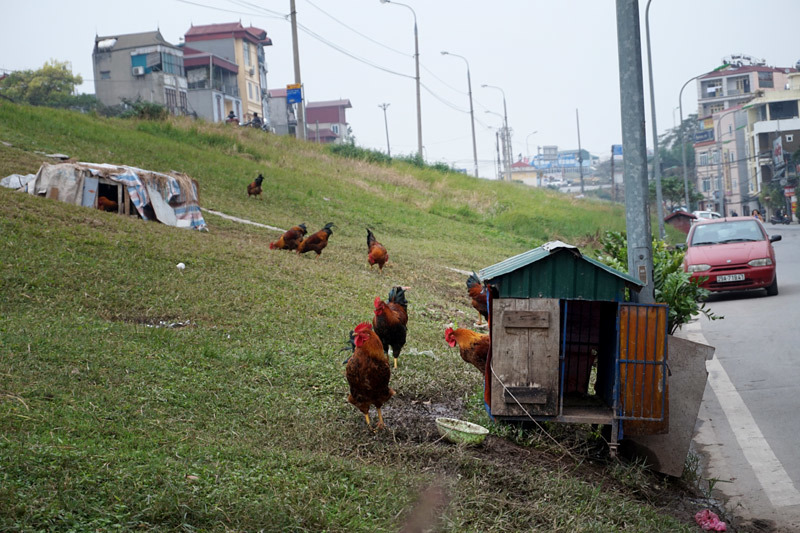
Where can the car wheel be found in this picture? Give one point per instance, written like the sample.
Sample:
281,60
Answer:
772,290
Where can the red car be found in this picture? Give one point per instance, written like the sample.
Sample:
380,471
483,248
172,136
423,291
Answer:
733,254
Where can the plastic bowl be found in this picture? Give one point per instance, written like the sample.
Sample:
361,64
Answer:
461,431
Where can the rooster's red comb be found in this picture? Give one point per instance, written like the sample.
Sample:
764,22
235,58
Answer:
364,326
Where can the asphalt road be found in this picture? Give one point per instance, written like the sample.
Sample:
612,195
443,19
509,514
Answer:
748,430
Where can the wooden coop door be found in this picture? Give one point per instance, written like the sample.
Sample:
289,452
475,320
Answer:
643,392
525,362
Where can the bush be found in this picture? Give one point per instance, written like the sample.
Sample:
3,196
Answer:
671,284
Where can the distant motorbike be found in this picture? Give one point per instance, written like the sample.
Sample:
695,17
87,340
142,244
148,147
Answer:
782,219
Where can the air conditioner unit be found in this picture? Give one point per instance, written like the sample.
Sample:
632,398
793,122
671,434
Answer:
251,71
138,71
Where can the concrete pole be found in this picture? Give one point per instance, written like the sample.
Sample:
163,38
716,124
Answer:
300,131
656,160
640,245
386,124
683,146
580,150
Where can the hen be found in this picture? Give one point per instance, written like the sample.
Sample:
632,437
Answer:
106,204
316,242
477,293
254,189
368,373
290,239
473,346
376,252
390,321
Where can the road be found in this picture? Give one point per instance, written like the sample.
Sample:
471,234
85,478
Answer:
749,422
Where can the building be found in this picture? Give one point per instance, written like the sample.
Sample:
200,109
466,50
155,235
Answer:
282,118
243,47
213,88
139,66
326,121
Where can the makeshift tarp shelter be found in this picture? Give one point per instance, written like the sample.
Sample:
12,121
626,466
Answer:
169,198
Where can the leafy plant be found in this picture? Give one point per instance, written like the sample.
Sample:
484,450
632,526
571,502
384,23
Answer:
684,295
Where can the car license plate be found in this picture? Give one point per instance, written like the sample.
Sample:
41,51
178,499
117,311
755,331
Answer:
730,277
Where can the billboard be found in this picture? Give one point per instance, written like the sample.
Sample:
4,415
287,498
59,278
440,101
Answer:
777,152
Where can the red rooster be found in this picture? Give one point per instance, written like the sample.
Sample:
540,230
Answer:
254,189
390,321
473,346
376,252
368,373
477,293
106,204
316,242
290,239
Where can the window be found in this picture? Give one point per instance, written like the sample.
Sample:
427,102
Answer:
765,80
171,96
715,108
172,64
731,157
335,128
246,51
715,157
706,184
789,137
184,102
105,74
703,159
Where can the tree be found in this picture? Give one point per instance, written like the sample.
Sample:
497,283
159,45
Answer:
672,191
52,85
669,147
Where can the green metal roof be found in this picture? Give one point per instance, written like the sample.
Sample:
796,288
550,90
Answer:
557,270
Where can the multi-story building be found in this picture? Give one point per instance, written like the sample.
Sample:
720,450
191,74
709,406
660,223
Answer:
213,88
243,47
722,147
326,121
139,66
282,118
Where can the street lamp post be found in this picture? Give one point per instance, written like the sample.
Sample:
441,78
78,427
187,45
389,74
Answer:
683,145
471,112
416,78
656,160
527,147
386,124
507,134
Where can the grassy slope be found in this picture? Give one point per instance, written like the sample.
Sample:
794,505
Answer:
239,420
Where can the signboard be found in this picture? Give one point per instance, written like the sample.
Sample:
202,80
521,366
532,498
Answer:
777,152
788,192
703,136
294,96
616,149
293,86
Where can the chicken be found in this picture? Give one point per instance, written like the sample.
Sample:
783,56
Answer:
477,292
316,242
390,321
106,204
368,373
474,347
254,189
290,239
376,252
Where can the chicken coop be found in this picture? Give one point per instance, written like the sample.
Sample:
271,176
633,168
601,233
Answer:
566,347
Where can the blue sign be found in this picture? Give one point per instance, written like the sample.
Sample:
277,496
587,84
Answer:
704,135
616,149
294,96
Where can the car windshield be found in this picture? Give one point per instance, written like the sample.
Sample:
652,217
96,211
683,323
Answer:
726,232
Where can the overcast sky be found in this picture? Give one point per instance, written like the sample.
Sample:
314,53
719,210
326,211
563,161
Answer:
550,57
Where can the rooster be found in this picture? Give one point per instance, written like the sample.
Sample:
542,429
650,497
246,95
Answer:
290,239
368,373
254,189
474,347
477,292
376,252
390,321
316,242
106,204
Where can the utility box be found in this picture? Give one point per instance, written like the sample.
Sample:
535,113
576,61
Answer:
566,347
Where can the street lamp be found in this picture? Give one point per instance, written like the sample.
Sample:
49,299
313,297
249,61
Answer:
416,78
656,160
386,124
507,134
471,112
528,148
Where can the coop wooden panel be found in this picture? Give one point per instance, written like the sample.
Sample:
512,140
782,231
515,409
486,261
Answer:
642,369
525,356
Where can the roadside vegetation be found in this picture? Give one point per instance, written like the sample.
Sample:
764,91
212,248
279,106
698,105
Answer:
137,396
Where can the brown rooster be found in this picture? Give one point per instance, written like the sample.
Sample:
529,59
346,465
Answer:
290,239
390,321
106,204
474,347
376,252
316,242
477,293
254,189
368,373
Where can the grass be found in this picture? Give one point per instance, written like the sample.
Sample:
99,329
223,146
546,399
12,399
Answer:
236,418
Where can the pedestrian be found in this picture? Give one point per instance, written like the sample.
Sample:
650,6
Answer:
256,122
231,117
756,214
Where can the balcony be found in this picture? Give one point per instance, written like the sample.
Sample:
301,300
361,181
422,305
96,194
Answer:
225,88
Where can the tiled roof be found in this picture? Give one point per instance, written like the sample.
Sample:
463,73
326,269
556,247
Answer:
732,71
135,40
227,30
330,103
193,57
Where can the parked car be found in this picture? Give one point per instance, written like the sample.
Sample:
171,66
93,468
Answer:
706,214
731,254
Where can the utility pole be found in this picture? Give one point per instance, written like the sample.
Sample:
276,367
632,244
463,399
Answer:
640,245
386,124
613,181
580,150
497,144
300,131
656,159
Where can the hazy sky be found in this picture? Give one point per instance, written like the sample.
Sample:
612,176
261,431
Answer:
549,57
